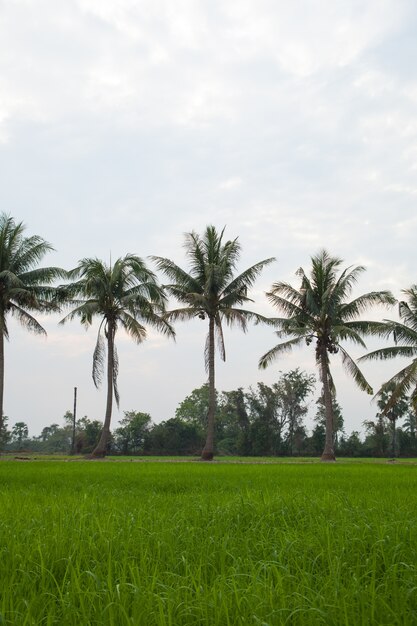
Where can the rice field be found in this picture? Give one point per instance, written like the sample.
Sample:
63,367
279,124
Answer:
175,544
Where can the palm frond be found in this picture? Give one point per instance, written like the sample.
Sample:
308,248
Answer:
246,279
403,381
99,358
184,314
219,336
281,348
344,332
390,352
356,307
287,307
26,320
354,371
207,353
133,328
115,370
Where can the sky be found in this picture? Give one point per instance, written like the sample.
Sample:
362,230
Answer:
125,124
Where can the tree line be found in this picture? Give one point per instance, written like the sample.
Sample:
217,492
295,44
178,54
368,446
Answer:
128,295
265,420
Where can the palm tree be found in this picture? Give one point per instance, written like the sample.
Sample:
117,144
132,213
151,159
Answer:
126,295
395,410
24,286
404,333
210,290
318,311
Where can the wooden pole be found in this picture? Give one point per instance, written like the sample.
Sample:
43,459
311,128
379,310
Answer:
74,418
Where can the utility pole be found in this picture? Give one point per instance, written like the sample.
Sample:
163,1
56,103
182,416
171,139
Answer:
74,418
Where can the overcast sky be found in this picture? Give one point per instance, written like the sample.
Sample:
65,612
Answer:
124,124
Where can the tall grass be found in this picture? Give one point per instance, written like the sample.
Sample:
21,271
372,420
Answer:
188,544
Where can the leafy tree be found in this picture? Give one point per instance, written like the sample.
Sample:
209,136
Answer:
53,438
235,422
317,439
193,409
25,288
126,295
211,291
353,446
129,438
404,333
5,434
88,435
20,432
377,432
293,388
48,431
318,311
264,405
277,412
174,436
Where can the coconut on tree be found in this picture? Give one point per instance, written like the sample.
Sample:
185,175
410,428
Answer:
25,288
211,291
318,312
123,295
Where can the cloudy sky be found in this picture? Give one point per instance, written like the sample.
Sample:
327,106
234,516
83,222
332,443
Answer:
124,124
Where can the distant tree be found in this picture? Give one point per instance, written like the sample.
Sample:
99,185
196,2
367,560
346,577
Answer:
299,446
20,432
88,435
123,295
48,431
317,440
353,445
377,435
193,409
129,438
293,388
277,411
396,410
410,424
174,436
318,311
24,286
235,423
210,290
5,434
266,419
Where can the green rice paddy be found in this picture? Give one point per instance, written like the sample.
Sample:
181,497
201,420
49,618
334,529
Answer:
191,543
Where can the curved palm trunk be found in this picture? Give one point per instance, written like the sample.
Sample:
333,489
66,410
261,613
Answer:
101,448
328,452
208,450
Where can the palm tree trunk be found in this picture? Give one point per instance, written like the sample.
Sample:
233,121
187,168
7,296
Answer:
328,452
1,381
208,450
101,448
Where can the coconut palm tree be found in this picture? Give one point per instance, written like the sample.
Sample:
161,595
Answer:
318,311
211,291
123,295
25,287
404,334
